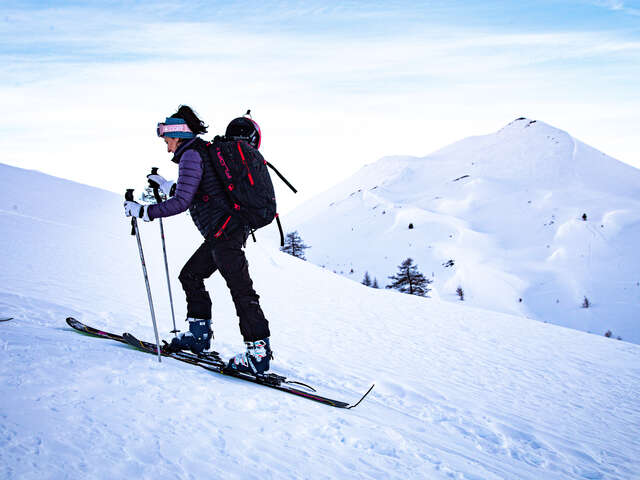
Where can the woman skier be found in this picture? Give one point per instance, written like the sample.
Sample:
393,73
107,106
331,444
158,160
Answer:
199,190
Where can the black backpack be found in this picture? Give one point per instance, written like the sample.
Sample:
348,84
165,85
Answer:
243,171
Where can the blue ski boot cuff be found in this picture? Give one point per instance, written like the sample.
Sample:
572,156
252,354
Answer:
197,339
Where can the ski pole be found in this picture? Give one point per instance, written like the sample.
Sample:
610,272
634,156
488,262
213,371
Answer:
134,231
156,193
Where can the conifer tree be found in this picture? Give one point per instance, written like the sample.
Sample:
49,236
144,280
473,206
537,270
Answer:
410,280
293,245
149,197
375,283
367,279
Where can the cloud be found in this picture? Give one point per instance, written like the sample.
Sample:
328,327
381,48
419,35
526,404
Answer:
619,6
86,85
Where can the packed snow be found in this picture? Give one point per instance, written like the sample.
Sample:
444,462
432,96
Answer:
461,392
528,221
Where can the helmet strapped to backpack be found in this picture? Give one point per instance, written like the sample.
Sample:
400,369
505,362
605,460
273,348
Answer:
244,128
243,172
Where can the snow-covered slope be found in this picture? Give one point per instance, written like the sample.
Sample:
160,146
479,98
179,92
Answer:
460,392
507,209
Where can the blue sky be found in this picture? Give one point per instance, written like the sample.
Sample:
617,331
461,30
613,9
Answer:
335,85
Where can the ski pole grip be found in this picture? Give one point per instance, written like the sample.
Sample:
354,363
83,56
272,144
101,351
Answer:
129,197
156,192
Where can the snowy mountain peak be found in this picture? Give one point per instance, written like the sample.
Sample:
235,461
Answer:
522,123
533,220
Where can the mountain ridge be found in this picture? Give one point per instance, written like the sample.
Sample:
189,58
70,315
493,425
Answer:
526,213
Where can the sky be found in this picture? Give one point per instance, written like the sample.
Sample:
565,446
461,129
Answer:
333,85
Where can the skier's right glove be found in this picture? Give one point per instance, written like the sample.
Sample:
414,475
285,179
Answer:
166,186
134,209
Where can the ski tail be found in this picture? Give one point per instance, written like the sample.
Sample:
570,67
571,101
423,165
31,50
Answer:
81,327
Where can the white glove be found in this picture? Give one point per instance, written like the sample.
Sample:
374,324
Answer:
134,209
158,181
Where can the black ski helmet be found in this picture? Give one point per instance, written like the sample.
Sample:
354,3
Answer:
244,128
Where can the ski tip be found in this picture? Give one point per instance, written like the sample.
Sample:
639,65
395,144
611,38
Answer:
6,319
72,322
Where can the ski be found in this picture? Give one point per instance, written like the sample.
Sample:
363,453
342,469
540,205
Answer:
270,380
208,358
212,362
5,319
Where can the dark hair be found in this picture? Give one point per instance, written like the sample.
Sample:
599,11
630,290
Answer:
196,125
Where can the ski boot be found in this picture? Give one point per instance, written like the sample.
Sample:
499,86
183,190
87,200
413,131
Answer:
197,339
255,361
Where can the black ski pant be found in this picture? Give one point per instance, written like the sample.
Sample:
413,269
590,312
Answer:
225,255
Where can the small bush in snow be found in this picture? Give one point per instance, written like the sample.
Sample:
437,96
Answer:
586,303
460,293
149,197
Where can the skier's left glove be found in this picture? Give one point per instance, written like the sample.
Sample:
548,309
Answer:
134,209
166,186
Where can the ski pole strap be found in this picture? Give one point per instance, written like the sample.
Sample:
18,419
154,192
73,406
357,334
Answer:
363,397
280,229
282,177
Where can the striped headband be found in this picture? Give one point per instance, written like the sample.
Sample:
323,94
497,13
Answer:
174,128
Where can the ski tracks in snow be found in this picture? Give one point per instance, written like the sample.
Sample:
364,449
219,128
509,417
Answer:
480,405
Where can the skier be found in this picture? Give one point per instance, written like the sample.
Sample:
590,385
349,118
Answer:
200,190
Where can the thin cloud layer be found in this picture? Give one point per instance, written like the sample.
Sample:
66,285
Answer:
344,80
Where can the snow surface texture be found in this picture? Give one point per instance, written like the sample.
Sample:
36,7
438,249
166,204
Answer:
460,393
507,209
